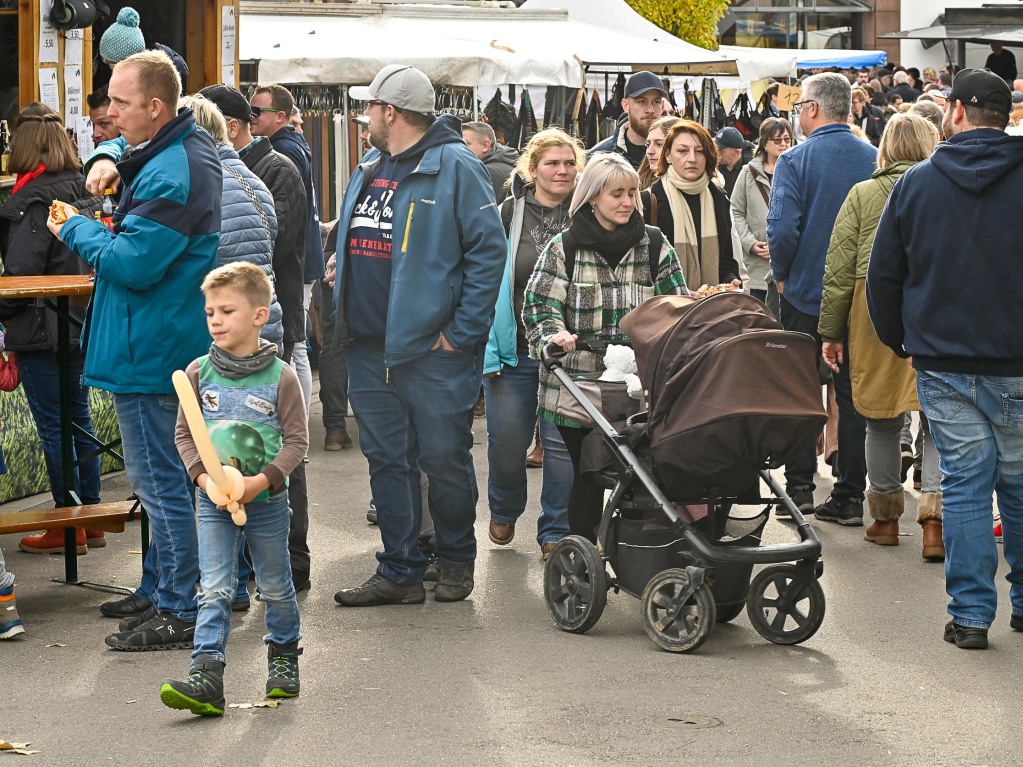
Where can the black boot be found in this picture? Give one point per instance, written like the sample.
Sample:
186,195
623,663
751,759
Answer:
201,693
282,670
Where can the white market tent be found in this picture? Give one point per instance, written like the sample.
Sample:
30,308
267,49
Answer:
452,45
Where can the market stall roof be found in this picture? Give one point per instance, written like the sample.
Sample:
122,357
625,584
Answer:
452,45
970,33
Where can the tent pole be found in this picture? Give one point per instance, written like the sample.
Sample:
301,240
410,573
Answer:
476,103
345,166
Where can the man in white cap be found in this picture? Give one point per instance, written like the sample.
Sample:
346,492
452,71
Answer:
419,261
643,103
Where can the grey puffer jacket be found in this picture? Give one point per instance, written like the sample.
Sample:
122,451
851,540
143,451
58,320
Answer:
243,235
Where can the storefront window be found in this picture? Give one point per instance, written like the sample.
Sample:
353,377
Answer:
794,23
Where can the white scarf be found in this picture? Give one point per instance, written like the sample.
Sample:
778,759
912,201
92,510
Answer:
700,259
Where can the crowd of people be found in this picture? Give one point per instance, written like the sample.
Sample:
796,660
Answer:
454,261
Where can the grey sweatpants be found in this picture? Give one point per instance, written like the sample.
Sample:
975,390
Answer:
884,457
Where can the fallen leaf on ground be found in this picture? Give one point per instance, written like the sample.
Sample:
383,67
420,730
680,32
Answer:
7,746
131,701
257,704
134,551
57,644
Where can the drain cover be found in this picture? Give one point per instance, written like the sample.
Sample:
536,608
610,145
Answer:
691,721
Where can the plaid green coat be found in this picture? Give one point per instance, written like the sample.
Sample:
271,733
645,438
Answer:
591,304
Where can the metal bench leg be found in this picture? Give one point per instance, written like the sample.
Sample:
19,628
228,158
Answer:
70,556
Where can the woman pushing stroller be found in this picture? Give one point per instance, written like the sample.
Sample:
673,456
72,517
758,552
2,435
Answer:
587,279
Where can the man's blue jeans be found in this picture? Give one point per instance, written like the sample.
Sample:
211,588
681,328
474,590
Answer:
414,416
40,375
266,532
977,426
511,415
158,477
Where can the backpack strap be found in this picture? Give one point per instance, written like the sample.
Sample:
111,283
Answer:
654,249
568,247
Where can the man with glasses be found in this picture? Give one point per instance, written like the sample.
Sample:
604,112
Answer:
924,288
643,103
811,182
419,260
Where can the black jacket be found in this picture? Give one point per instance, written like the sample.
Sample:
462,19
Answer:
28,249
872,122
290,143
728,269
285,184
946,291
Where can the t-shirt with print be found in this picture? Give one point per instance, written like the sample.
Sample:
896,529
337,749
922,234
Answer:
368,245
539,225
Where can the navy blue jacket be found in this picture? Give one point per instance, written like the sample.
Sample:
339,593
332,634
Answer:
943,284
811,182
289,142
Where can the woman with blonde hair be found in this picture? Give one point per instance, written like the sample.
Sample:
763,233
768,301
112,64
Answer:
694,213
654,145
535,210
883,386
616,263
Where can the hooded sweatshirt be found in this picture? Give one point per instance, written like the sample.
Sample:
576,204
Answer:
499,164
944,243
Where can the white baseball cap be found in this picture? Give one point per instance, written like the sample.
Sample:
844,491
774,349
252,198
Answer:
400,85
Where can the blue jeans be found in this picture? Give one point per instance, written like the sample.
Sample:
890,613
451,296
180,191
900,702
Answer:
266,533
40,377
158,477
977,426
511,414
800,470
418,415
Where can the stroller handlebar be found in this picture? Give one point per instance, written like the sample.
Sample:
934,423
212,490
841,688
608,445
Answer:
551,354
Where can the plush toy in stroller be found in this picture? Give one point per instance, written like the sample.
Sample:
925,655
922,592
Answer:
731,396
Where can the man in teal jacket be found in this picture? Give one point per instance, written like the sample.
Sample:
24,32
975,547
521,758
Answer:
147,320
419,261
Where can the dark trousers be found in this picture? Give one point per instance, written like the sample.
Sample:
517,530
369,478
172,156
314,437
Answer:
851,461
333,369
799,471
586,501
298,544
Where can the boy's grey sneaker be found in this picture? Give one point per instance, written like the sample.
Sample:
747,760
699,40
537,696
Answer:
379,590
844,511
455,581
202,692
134,621
282,670
162,632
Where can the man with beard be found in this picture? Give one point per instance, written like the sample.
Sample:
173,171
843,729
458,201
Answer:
643,102
419,261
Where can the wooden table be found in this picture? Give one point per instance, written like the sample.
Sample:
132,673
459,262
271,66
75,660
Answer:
64,289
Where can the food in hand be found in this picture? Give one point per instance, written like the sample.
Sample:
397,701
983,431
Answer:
709,290
61,211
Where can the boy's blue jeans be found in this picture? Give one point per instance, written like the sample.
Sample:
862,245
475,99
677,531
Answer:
266,532
977,425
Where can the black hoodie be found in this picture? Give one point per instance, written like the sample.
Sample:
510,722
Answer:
943,283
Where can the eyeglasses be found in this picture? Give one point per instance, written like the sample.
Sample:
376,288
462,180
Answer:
798,106
375,103
266,109
782,139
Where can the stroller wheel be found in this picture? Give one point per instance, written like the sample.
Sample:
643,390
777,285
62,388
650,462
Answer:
677,617
575,584
786,605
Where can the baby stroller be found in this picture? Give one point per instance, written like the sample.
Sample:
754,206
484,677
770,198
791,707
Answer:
731,396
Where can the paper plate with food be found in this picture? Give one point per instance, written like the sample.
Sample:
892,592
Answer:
60,212
725,287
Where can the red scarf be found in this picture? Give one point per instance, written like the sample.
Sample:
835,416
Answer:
24,178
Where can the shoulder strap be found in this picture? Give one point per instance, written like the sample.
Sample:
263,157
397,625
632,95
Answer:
251,194
654,250
756,180
568,247
653,207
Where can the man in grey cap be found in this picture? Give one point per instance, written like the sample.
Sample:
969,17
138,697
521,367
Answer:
924,288
643,103
419,260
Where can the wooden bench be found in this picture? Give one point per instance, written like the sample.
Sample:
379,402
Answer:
109,517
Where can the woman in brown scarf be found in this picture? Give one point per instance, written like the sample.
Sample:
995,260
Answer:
693,213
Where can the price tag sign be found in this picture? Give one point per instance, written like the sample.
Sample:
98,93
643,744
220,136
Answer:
787,96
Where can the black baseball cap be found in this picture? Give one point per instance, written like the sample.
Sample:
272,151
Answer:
981,88
230,102
641,82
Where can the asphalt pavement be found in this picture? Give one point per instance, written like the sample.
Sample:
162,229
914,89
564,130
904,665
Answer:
491,681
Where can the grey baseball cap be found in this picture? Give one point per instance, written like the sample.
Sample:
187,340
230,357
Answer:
400,85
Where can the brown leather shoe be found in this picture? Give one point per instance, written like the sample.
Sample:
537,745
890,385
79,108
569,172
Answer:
501,534
883,533
534,459
547,548
934,546
336,441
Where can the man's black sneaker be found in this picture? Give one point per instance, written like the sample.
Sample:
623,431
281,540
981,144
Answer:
162,632
122,608
371,515
134,621
282,670
1016,622
202,692
965,638
379,590
844,511
454,582
802,497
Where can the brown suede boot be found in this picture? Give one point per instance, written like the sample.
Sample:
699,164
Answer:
886,510
929,516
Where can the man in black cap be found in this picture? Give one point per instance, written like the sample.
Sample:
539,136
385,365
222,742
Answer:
923,288
285,183
733,153
643,102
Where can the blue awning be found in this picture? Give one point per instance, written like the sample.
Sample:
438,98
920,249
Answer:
823,58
